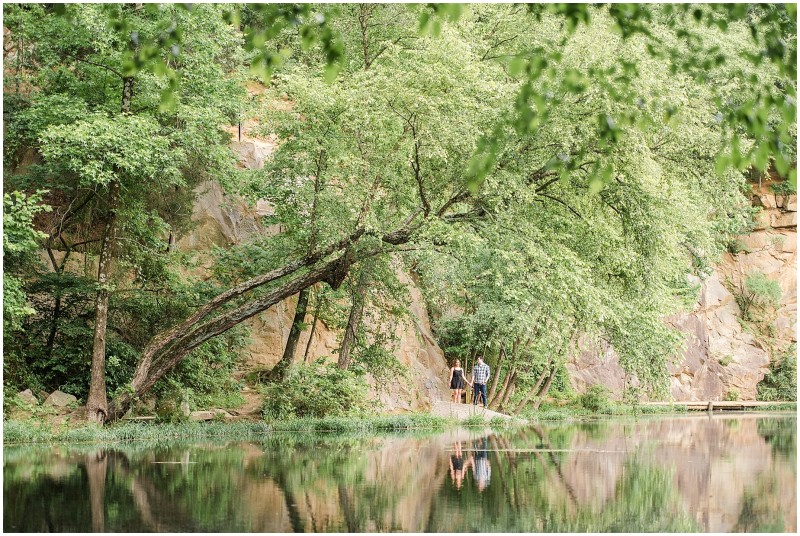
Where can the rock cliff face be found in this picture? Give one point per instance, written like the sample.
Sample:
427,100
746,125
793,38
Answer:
225,220
722,357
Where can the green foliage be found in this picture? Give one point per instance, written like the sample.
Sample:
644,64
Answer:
382,423
783,189
20,241
20,238
204,378
169,411
780,383
732,395
316,390
726,360
766,291
595,399
476,419
99,149
760,291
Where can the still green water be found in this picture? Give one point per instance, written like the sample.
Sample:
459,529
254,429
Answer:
724,473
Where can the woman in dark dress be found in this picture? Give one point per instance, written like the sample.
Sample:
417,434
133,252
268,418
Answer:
457,381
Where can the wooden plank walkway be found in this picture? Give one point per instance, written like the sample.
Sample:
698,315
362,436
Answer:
717,404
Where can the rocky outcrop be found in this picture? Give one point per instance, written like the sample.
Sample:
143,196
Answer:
209,415
60,399
28,397
723,357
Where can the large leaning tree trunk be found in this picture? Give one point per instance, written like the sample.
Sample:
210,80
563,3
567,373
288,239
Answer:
354,320
97,403
167,349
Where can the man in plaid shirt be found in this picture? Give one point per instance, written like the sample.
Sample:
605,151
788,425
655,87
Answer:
480,375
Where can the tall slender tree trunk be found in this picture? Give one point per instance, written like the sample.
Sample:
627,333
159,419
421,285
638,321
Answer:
510,376
535,389
546,387
509,388
320,302
286,361
51,337
302,298
498,369
354,320
97,402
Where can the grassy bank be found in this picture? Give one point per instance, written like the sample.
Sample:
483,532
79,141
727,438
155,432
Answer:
42,431
38,431
574,412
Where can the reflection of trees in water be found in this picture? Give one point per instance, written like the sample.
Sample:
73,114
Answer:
531,494
96,464
357,484
87,497
761,511
781,434
338,482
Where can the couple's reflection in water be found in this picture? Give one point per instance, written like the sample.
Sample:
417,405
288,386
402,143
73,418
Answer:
472,455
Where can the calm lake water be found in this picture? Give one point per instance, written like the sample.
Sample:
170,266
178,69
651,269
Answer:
724,473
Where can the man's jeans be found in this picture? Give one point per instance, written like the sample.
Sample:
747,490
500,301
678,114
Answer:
479,389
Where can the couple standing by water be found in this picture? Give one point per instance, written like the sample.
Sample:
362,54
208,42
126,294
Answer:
480,376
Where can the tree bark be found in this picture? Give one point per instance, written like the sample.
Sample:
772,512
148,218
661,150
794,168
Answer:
317,307
545,388
510,376
51,337
498,369
509,388
365,10
97,402
354,320
294,335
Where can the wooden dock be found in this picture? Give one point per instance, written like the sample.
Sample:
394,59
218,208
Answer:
711,405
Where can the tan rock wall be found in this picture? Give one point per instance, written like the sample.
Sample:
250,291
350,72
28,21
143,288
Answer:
720,355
